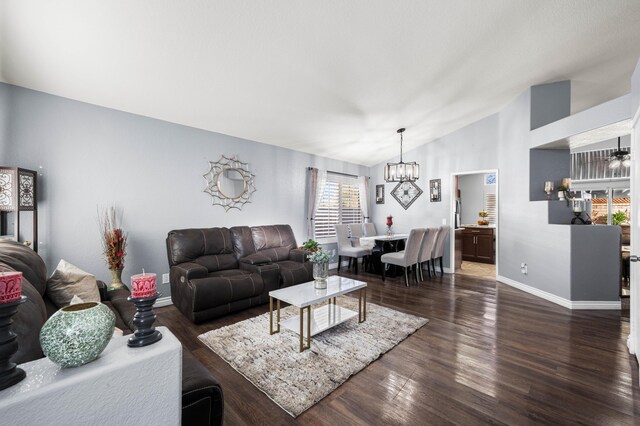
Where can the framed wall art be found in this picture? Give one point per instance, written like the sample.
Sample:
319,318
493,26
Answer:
380,194
406,193
435,194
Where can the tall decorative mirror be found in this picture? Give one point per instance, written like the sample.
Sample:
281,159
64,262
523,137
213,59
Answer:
229,183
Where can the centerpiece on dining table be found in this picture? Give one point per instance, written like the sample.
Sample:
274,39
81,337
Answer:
389,225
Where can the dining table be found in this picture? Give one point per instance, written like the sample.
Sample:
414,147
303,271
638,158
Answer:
384,244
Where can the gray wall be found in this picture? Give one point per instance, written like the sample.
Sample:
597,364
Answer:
472,193
93,156
471,148
524,232
595,262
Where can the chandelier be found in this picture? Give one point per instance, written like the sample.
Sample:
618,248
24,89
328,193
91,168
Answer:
401,172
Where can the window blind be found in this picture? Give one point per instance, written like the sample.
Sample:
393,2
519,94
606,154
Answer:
338,202
490,207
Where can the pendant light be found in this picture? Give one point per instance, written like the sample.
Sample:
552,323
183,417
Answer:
401,172
619,158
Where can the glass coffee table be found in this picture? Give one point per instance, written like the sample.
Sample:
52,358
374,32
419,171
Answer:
304,296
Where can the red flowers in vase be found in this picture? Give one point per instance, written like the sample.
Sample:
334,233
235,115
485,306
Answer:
114,239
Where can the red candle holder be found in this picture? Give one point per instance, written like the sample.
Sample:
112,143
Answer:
10,286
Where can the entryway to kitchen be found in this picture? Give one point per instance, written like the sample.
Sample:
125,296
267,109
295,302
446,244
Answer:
475,218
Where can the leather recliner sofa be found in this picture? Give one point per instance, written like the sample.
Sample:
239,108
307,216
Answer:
202,398
215,271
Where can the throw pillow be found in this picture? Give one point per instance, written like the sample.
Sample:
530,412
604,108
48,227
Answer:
69,280
75,300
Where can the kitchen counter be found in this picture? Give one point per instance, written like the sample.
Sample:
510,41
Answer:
477,226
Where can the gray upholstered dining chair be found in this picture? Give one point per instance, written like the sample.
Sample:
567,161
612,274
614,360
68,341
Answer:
438,250
426,251
345,248
407,257
370,230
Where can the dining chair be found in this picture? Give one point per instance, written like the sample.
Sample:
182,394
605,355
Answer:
407,257
438,250
428,244
345,248
370,230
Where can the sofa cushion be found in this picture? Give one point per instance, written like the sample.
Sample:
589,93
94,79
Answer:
23,259
69,280
214,291
242,241
293,272
210,247
272,236
27,323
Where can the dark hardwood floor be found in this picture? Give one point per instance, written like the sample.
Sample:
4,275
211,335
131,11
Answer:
490,354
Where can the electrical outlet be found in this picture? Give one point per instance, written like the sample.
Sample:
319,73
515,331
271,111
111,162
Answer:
444,221
165,278
523,268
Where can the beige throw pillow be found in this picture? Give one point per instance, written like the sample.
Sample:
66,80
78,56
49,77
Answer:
68,281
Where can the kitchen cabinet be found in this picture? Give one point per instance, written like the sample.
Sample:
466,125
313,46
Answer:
478,244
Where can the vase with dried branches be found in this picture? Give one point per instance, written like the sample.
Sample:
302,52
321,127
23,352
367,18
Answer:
114,244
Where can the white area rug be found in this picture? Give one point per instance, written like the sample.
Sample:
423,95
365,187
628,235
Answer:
296,381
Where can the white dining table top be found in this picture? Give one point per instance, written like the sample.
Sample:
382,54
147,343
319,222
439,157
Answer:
393,237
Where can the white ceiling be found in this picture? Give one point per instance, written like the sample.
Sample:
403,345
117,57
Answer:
333,77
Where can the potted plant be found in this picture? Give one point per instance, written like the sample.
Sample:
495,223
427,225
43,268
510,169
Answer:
618,218
320,260
310,245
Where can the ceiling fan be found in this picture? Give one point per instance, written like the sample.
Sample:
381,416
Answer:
619,158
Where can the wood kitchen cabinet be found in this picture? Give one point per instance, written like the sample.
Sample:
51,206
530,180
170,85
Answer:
478,245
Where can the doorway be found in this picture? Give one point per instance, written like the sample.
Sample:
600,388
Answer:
474,209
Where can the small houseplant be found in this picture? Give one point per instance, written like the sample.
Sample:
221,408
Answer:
618,218
320,260
310,245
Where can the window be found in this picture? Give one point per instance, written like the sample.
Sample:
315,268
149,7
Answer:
338,202
490,207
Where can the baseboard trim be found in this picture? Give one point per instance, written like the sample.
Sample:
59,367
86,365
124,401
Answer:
163,301
601,305
578,304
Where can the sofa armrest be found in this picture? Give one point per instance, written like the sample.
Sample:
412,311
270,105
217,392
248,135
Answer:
270,273
184,272
202,398
299,255
102,289
255,259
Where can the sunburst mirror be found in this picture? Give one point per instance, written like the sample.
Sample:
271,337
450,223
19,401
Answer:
229,183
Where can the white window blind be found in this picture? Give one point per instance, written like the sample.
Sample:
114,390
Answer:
338,202
490,207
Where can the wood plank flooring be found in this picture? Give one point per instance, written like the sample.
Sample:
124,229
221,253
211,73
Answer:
490,354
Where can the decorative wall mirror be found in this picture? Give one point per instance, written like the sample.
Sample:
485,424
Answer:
406,193
379,194
229,183
434,190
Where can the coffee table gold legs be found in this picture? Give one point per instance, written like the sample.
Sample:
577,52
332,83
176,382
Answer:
362,305
271,330
302,345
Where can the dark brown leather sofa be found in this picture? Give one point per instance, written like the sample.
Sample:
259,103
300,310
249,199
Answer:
215,271
202,398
